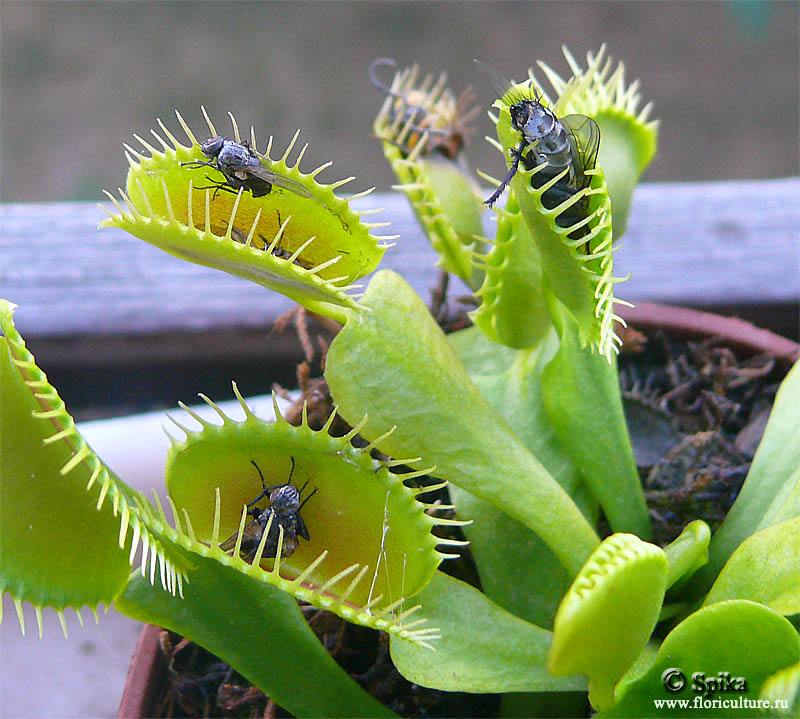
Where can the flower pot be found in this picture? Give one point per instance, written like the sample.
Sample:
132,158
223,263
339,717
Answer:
145,678
740,335
147,672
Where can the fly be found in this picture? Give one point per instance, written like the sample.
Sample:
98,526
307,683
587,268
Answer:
282,253
567,143
284,508
444,121
241,166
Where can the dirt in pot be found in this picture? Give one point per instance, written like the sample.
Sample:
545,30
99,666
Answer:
696,413
201,685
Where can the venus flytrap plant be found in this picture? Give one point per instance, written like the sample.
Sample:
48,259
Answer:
574,259
311,248
423,129
55,489
591,614
574,386
550,393
520,414
433,404
578,270
366,575
390,326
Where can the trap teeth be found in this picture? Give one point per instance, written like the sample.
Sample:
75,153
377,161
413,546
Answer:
271,517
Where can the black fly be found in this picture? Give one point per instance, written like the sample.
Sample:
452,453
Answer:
570,143
242,168
284,508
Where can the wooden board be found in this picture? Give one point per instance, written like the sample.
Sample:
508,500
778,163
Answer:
718,244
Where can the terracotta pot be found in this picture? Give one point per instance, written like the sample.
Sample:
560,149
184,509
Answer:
146,676
687,323
147,670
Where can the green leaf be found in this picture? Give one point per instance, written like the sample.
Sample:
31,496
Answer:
479,354
395,364
582,396
786,503
608,614
257,629
687,553
64,529
738,637
783,686
483,647
512,383
517,570
513,310
764,568
770,492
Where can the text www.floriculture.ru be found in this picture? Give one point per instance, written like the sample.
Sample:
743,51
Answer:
733,703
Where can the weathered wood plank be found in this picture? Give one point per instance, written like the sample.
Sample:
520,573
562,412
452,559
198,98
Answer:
721,243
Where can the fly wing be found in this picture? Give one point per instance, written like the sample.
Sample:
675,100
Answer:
586,135
287,183
251,533
302,530
496,81
499,84
503,87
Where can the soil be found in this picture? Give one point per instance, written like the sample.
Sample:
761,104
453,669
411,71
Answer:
696,413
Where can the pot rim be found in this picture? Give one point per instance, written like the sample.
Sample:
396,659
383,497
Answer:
686,322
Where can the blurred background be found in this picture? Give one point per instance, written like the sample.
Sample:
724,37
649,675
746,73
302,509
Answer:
79,78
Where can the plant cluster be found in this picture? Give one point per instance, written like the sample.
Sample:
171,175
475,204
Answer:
520,415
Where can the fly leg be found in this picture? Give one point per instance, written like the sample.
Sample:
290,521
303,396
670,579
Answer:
218,186
197,164
517,155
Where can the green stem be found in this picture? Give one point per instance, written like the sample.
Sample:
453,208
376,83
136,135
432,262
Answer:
582,396
396,365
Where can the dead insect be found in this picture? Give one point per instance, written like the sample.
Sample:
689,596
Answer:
443,118
568,143
284,509
242,169
282,253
